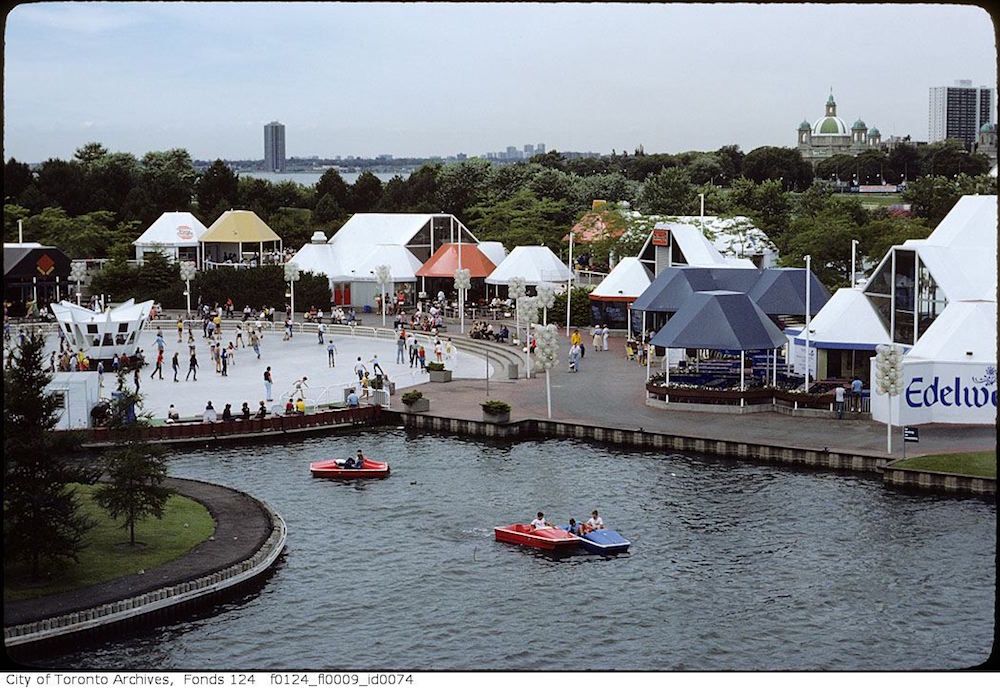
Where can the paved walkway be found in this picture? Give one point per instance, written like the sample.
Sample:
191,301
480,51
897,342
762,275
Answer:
610,391
242,526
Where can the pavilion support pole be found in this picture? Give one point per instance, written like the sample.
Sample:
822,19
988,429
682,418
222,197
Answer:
742,375
774,381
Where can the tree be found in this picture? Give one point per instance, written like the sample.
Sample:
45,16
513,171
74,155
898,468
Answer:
827,238
41,520
882,233
705,168
64,184
579,309
328,211
766,204
613,186
506,180
395,197
364,193
217,185
333,184
905,160
168,180
462,185
257,195
731,160
522,220
112,177
841,167
89,153
552,159
931,197
668,193
551,183
135,468
421,188
16,178
784,164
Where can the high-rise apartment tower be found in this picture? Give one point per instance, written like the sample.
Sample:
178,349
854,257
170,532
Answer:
959,111
274,147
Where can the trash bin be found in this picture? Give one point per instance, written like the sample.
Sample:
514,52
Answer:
511,371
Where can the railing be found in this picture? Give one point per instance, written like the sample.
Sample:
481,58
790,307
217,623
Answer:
586,277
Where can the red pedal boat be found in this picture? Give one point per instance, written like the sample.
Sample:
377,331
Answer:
540,538
334,468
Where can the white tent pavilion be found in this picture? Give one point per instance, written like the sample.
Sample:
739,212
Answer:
175,235
494,250
536,264
610,302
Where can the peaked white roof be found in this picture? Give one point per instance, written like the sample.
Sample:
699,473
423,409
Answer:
366,229
628,279
536,264
964,326
342,265
846,306
713,241
173,229
493,250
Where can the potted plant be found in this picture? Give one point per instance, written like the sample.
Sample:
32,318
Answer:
415,402
438,373
495,412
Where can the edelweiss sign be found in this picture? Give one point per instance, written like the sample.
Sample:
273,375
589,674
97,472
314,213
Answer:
944,393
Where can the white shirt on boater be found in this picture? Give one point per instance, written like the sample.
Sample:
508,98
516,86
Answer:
538,523
595,523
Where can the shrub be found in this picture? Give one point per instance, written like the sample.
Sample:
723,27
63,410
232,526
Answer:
495,408
434,365
411,396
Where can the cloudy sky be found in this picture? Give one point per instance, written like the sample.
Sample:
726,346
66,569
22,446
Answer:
437,79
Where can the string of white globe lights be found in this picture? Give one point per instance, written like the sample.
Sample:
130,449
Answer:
516,291
527,316
547,355
188,271
889,380
463,280
78,273
383,276
292,276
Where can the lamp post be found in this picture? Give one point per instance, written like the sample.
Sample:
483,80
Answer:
546,299
516,291
547,352
187,274
382,277
569,281
463,280
292,276
808,263
888,381
527,310
77,273
854,252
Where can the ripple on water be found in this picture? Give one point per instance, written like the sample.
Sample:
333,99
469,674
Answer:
733,566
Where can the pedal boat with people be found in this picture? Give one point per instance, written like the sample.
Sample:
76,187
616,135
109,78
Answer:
550,538
334,468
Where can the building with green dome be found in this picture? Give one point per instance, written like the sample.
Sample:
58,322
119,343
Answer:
829,135
986,142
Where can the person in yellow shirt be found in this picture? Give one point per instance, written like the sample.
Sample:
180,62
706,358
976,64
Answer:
300,406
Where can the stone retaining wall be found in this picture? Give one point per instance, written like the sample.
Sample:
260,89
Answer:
164,603
938,481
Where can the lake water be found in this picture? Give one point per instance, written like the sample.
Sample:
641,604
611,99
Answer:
310,178
733,566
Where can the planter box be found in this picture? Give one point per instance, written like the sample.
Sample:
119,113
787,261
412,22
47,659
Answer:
496,418
440,375
419,406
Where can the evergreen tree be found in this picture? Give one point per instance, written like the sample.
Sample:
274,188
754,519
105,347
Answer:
218,185
136,469
40,511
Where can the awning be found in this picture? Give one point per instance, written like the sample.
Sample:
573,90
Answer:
719,320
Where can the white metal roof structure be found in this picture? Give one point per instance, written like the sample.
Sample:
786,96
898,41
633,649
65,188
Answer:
710,242
169,233
966,331
625,282
845,306
536,264
422,233
341,266
494,250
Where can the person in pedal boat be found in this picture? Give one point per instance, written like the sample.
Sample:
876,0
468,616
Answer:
540,522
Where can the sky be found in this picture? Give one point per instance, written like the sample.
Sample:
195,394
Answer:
439,79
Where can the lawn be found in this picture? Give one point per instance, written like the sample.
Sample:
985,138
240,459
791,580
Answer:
980,464
108,555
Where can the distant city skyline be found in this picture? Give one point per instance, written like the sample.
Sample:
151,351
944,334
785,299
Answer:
580,77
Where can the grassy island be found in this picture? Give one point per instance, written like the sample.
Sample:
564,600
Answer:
978,464
185,523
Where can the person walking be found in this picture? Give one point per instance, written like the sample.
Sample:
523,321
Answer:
412,344
360,369
192,366
239,336
100,375
838,397
331,355
267,383
176,365
422,357
598,332
438,351
574,358
255,343
605,333
180,329
319,332
856,387
298,385
376,368
159,366
135,378
224,355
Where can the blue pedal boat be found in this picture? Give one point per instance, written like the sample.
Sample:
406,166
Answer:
603,541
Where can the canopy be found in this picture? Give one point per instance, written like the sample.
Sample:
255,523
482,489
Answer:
782,291
444,262
828,330
625,282
965,331
720,320
536,264
403,265
173,229
236,226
